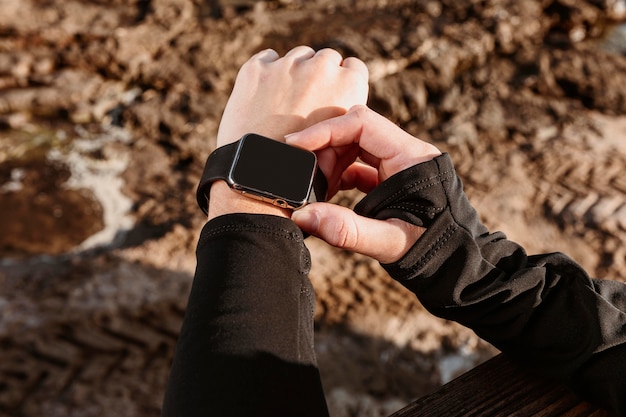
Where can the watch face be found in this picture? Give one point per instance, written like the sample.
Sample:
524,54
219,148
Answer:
273,170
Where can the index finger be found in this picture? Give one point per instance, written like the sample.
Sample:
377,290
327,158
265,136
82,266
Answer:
373,133
343,130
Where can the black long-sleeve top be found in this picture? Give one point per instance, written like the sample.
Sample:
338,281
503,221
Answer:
246,345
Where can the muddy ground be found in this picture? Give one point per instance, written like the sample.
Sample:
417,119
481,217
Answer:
109,108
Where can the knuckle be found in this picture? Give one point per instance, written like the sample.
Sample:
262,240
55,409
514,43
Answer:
360,111
250,67
346,234
329,53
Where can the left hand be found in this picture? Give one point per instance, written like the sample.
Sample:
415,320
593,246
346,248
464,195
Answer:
274,96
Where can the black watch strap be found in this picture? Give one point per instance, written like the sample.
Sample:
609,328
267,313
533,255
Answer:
319,190
217,166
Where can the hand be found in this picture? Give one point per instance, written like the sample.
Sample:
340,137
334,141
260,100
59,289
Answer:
274,96
385,150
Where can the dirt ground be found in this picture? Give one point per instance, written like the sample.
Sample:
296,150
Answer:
108,110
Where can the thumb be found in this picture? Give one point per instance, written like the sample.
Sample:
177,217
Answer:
384,240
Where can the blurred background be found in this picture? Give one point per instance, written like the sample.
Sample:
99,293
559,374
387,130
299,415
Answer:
108,110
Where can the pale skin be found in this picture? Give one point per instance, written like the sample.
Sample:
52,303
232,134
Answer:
316,100
385,150
274,96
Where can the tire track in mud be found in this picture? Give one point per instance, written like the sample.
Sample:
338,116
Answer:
73,364
587,198
88,336
566,194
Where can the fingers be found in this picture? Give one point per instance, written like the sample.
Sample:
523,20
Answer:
356,65
333,162
277,94
360,176
384,240
330,54
306,52
300,52
382,144
357,126
266,55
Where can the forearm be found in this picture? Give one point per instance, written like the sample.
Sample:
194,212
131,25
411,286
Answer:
246,344
543,310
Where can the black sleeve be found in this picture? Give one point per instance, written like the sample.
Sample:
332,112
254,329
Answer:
246,343
543,311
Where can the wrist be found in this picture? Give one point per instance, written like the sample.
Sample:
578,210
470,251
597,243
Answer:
225,201
259,175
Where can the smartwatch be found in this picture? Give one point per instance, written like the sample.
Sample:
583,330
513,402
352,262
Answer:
264,169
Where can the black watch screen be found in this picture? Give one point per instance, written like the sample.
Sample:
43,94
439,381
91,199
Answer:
272,170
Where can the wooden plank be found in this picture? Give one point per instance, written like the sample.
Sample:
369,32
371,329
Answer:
499,387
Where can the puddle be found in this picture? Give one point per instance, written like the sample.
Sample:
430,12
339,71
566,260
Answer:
60,190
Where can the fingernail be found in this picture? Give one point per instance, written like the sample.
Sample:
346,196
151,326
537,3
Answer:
290,136
306,219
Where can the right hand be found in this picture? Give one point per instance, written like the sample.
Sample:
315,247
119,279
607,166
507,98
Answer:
385,150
